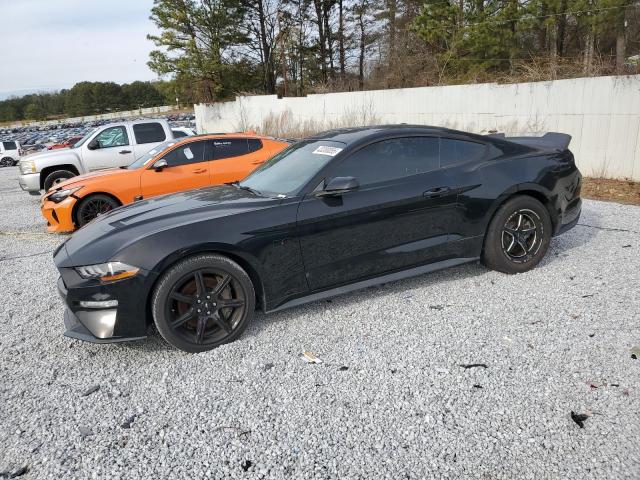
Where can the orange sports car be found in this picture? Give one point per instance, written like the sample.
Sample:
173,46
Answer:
172,166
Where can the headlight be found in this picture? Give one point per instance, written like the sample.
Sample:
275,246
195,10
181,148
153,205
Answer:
60,195
107,272
27,166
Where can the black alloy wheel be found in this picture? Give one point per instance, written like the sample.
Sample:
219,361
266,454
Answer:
203,302
6,162
92,206
518,235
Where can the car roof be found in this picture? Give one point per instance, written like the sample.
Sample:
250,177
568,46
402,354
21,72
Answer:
354,135
232,134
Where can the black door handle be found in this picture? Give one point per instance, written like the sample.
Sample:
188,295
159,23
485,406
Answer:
437,192
124,152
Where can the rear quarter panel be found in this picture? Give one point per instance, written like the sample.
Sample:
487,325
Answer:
488,184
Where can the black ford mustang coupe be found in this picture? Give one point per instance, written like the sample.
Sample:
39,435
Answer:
339,211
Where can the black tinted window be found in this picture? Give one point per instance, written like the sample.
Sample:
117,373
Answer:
389,159
9,145
229,147
459,151
179,134
149,133
192,152
255,144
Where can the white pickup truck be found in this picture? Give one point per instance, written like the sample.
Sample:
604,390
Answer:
107,146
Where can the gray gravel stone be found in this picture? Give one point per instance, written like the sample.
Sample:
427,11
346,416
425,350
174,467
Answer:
403,409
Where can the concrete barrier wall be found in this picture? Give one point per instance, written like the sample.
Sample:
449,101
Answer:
142,112
602,114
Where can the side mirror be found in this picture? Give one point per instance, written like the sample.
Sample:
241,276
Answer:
160,165
93,144
337,186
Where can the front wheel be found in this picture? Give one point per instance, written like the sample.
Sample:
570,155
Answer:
56,177
92,206
518,236
203,302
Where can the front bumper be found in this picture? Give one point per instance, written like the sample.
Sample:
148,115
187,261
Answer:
30,182
59,216
123,322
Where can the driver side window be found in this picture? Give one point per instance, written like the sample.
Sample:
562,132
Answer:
192,152
391,159
113,137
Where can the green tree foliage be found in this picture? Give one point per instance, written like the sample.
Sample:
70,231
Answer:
209,50
484,35
89,98
195,44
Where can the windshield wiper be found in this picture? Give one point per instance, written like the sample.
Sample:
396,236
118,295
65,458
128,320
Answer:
248,189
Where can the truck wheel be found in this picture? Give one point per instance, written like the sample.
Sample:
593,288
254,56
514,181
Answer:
56,177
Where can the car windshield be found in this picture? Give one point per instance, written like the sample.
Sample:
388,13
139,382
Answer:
287,172
80,142
142,159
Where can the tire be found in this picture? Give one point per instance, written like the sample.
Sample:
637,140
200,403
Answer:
57,177
518,236
92,206
200,322
6,162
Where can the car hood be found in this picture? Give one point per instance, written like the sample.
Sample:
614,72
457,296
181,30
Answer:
49,154
112,174
101,239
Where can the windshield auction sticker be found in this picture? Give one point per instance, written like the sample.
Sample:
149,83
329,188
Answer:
325,150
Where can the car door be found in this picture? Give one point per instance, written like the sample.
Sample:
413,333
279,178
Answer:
397,218
186,169
233,158
110,148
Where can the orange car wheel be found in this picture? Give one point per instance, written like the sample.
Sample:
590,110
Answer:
92,206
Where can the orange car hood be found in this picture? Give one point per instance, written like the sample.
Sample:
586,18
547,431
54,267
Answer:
110,173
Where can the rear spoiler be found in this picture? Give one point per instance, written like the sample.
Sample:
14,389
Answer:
551,140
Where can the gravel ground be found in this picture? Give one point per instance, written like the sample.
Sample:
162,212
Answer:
391,399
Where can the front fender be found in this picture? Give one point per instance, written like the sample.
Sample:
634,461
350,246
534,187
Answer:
54,159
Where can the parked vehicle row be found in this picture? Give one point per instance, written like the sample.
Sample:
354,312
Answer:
35,138
339,211
108,146
171,166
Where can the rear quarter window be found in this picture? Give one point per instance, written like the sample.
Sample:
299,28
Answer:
254,144
453,152
149,133
10,145
229,147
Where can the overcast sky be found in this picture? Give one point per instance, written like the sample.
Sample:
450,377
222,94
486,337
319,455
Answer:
49,45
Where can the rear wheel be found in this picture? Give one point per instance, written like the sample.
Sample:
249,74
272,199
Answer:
6,162
92,206
518,236
203,302
57,177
